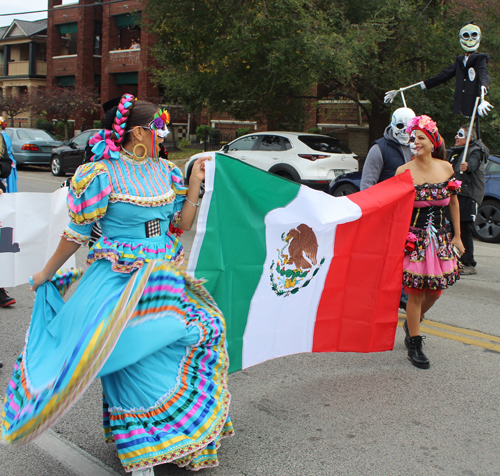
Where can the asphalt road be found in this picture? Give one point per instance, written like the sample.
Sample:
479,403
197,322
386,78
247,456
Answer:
319,414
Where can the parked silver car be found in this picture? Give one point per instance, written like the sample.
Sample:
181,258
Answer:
32,146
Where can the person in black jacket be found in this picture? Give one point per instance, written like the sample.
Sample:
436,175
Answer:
470,71
471,173
5,170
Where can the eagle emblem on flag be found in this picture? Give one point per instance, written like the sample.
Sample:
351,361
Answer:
297,261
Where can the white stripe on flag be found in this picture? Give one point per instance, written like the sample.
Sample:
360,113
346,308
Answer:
201,223
284,325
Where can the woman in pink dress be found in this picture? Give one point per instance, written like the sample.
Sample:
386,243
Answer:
430,262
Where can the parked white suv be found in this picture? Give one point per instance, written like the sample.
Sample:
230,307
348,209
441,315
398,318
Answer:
310,159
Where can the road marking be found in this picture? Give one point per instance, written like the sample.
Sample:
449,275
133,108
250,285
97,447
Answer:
75,459
466,336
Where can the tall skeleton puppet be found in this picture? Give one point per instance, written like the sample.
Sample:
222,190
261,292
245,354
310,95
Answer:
471,72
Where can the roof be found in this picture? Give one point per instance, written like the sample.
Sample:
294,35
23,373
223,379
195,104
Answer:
20,28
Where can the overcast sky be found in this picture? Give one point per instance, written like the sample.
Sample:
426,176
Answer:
9,6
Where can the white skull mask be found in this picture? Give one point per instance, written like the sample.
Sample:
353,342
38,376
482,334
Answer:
470,37
400,119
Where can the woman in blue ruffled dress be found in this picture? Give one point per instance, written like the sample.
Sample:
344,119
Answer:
150,332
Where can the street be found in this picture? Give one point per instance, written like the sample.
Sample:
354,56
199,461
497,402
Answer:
317,414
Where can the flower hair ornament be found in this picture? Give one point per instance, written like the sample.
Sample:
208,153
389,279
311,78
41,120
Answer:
3,124
159,127
106,143
428,127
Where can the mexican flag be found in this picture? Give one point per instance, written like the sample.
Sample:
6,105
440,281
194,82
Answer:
297,270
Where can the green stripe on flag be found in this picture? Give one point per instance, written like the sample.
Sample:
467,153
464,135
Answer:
235,240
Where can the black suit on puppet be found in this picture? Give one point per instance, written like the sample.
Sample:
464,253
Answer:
469,79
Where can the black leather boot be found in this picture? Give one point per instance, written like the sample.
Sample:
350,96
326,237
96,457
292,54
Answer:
415,353
407,331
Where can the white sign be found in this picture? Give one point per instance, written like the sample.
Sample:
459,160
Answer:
30,228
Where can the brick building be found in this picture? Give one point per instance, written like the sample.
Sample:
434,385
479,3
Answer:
90,44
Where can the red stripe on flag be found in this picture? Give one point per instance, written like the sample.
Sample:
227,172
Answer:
358,310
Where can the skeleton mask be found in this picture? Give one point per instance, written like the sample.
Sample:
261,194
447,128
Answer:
470,37
400,119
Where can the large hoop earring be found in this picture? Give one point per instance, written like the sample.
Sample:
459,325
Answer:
136,157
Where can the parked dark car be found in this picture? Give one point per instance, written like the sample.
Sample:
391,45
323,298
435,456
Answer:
487,224
345,184
31,146
67,158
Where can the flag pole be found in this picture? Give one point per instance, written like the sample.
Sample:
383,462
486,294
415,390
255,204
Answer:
464,157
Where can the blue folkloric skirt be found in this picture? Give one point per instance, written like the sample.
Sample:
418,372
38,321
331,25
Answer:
156,339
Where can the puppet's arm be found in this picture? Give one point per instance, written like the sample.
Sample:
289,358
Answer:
390,95
484,106
484,78
440,78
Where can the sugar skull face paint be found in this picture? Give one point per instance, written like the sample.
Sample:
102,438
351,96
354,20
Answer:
470,37
413,148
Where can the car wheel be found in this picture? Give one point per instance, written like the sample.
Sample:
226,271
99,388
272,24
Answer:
56,167
285,175
487,224
345,189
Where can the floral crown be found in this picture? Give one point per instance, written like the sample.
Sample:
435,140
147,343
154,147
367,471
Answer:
427,126
161,119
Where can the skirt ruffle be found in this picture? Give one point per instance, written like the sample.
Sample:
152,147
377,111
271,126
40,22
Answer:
431,273
156,339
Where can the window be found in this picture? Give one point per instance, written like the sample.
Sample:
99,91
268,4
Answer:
288,144
69,32
34,134
126,78
97,38
325,144
66,81
81,139
492,167
245,143
271,144
41,52
24,52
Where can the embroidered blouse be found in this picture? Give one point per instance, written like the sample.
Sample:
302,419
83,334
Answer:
123,195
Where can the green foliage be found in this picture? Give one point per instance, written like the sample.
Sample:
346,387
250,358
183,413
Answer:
96,125
263,59
242,131
314,130
203,132
60,132
45,125
183,143
207,132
